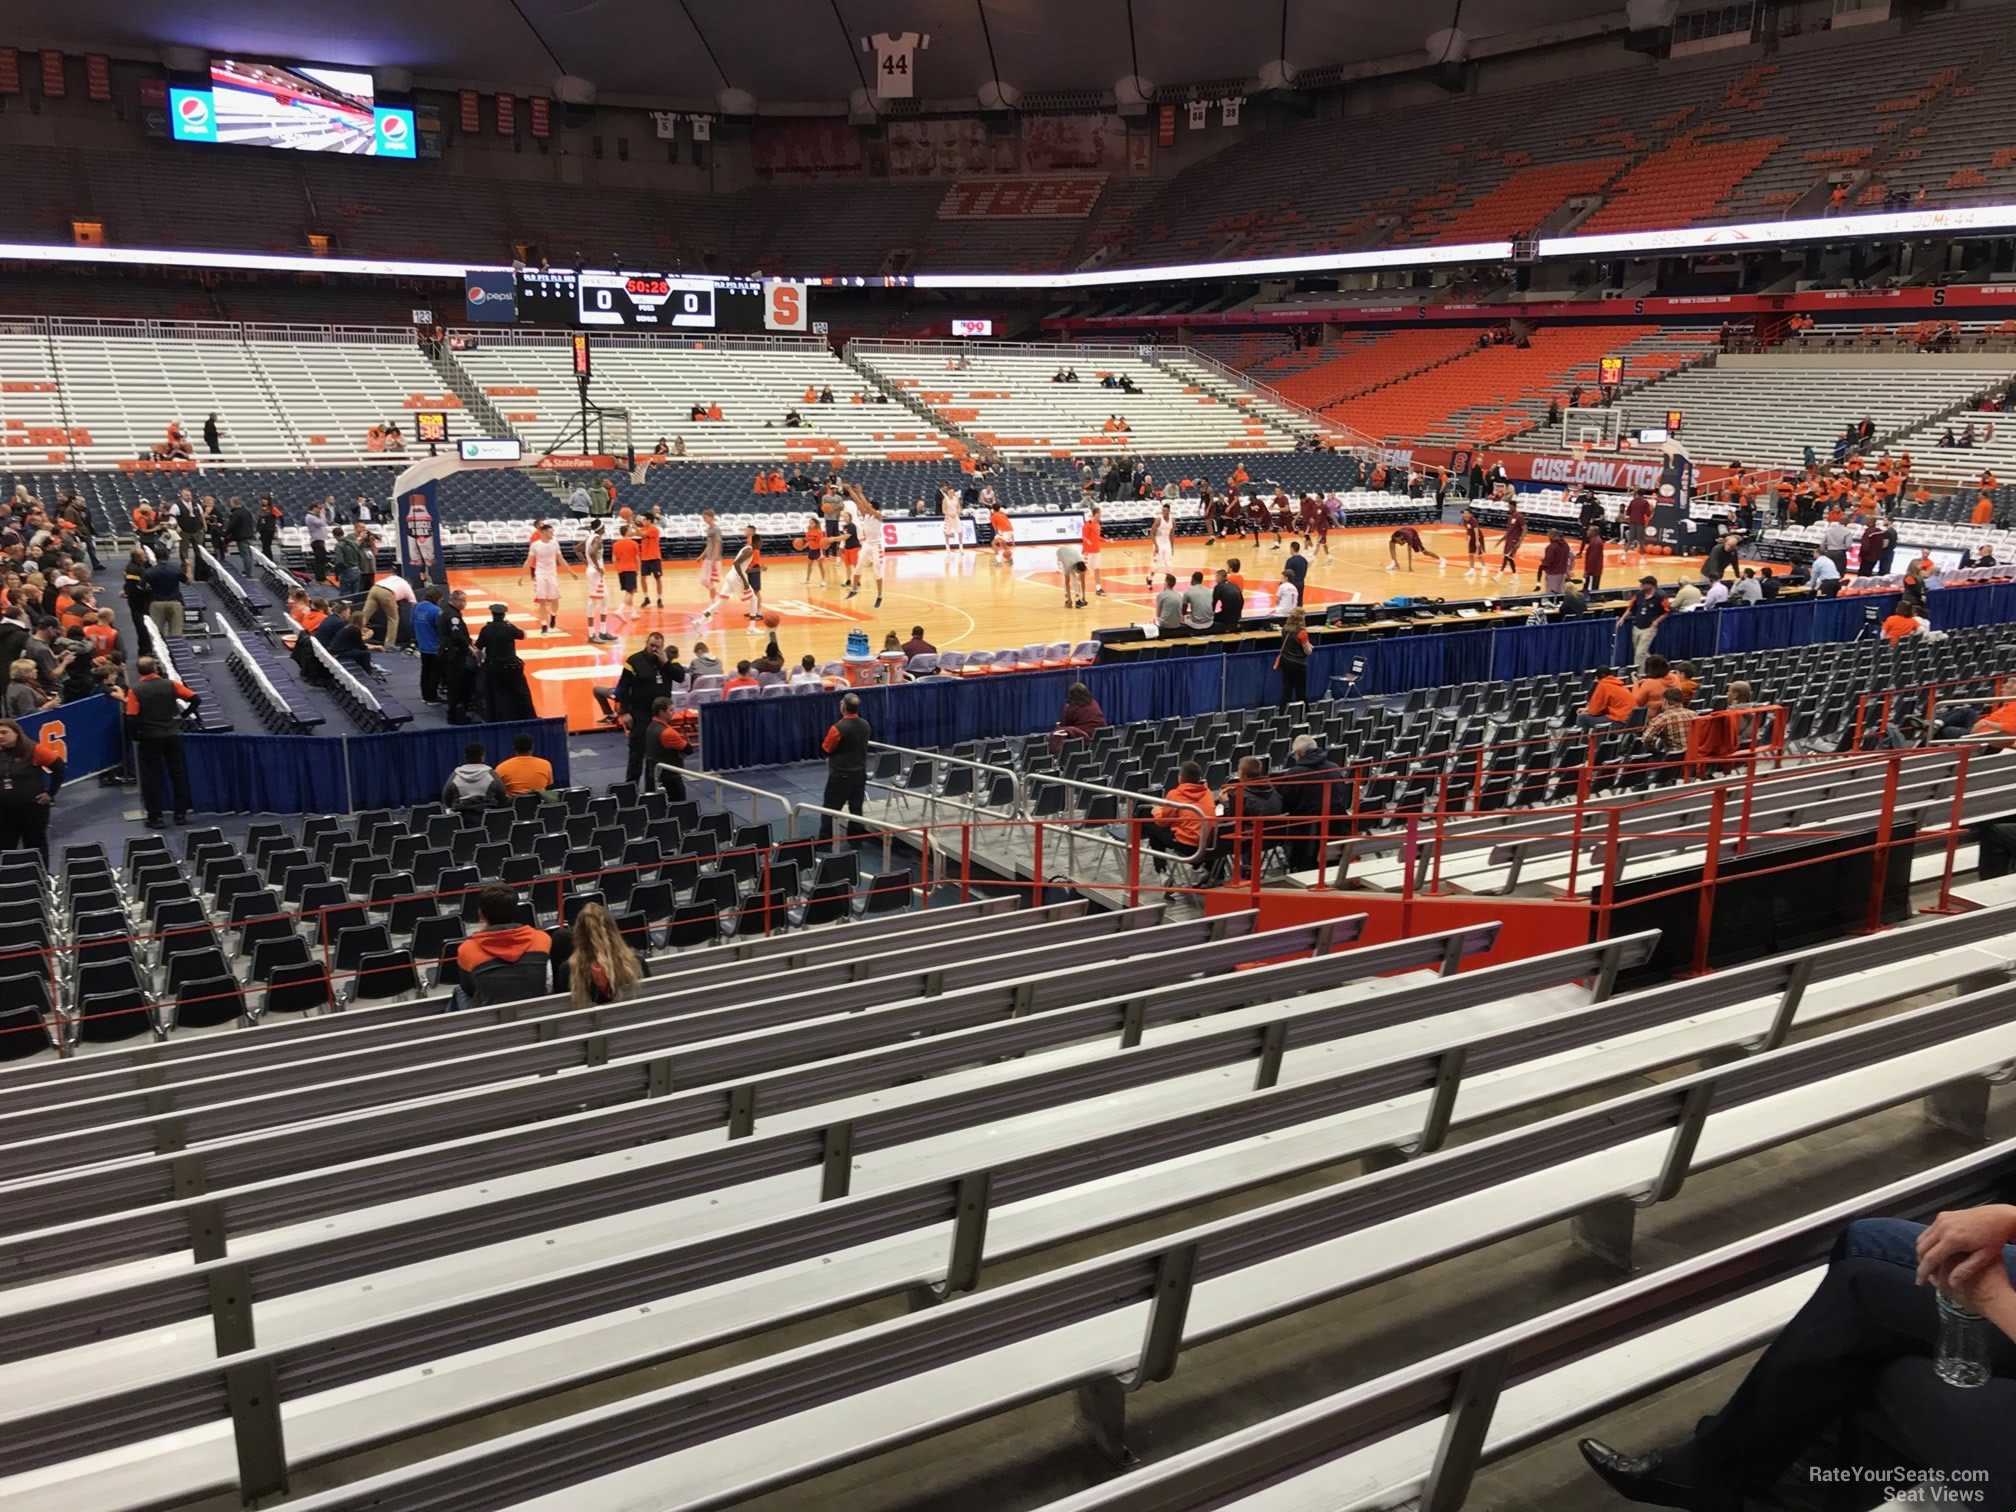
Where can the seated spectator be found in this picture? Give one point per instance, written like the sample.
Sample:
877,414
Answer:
1665,732
1652,686
1686,677
522,772
505,961
1861,1350
705,663
1247,803
1082,716
807,673
745,677
777,483
1901,623
1179,831
826,395
1312,788
1610,703
792,419
1768,584
1746,589
917,645
713,413
771,662
473,785
1687,596
598,964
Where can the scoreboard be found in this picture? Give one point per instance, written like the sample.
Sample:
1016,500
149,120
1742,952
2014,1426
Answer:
628,300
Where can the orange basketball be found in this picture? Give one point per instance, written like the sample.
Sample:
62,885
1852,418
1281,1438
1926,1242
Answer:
772,619
797,543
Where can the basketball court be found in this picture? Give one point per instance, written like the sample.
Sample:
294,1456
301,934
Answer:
964,603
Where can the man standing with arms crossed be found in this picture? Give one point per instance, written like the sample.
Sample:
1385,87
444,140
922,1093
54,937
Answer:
1646,608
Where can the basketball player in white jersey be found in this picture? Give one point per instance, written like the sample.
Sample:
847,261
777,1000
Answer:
710,553
948,506
598,586
545,563
1162,557
871,538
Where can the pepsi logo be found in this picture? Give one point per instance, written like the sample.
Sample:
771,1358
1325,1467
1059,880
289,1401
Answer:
394,127
195,111
477,294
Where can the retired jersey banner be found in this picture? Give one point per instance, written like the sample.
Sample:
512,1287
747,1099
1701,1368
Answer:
784,305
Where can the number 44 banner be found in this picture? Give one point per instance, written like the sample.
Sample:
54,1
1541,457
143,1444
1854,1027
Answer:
894,54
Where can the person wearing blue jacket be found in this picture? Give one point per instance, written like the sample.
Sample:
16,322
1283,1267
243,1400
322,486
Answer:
427,641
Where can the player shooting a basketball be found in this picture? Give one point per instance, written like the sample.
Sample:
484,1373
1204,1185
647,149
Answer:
870,536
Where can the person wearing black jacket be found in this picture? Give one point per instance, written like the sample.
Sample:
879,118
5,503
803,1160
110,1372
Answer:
154,723
846,748
1312,787
1228,603
238,530
506,693
457,659
640,685
269,525
31,774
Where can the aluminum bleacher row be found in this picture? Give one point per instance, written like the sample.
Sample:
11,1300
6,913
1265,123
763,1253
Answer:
394,1223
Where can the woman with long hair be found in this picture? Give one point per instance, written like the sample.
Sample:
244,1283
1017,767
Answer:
30,776
602,967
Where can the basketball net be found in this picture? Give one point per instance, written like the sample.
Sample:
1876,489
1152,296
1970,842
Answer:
1579,450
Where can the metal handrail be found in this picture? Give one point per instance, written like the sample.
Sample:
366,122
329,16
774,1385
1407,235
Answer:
979,766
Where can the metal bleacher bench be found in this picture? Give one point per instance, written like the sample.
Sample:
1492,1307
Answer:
1110,1324
1371,1073
1421,1433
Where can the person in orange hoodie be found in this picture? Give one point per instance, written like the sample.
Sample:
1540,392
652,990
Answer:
504,961
1984,511
1610,703
1178,831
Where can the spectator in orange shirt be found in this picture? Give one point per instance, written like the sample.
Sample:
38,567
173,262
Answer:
713,412
1650,688
1899,624
522,772
744,678
1984,511
777,483
1610,703
762,484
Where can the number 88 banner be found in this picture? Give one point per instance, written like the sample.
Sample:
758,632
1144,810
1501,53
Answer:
784,305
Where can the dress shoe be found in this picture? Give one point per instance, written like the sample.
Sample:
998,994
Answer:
1657,1478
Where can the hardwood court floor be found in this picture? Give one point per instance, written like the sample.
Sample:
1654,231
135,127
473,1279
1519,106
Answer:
964,603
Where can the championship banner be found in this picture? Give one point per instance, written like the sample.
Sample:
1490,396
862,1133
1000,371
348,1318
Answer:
88,732
420,535
784,305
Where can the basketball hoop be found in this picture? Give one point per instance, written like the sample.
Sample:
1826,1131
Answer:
1579,450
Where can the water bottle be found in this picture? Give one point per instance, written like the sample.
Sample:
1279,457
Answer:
1962,1359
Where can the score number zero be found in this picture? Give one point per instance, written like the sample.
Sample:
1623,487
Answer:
615,299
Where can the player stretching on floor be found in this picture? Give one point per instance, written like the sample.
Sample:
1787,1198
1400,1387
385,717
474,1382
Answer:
1408,538
544,561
